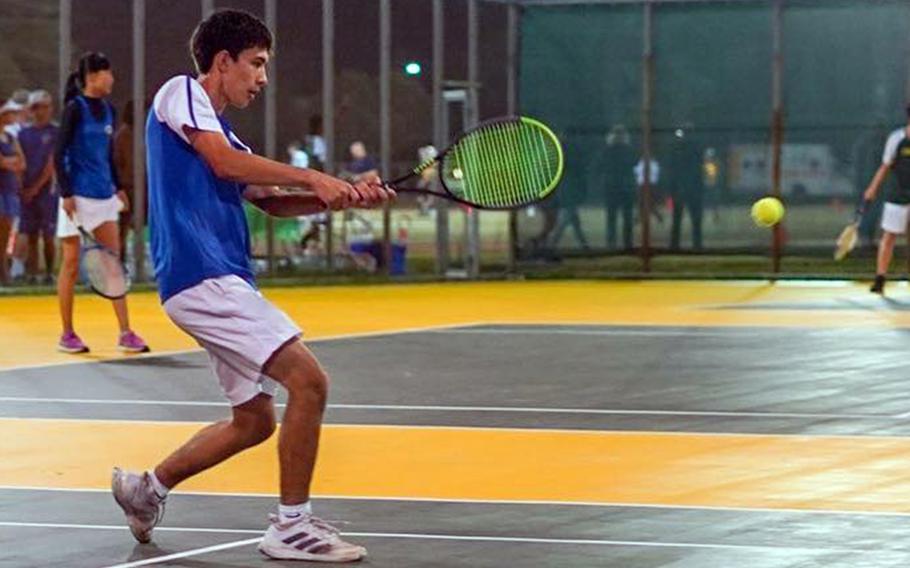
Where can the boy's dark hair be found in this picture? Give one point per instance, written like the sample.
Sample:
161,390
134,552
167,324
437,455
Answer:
229,30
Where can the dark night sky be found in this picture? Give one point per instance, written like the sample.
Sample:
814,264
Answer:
105,25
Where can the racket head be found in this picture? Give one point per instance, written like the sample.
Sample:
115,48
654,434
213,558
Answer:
846,241
504,163
106,275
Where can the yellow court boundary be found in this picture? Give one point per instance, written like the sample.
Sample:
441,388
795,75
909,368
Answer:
864,474
650,468
30,324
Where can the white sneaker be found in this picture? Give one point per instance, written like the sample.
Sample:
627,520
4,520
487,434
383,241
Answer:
308,538
142,506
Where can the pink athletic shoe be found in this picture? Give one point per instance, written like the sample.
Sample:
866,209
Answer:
70,343
132,343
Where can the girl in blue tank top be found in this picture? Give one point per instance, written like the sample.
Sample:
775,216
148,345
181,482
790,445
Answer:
12,164
89,188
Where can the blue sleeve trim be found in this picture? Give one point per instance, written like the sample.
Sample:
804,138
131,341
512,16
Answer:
189,101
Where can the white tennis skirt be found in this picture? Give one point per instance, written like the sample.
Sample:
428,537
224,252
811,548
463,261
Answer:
90,213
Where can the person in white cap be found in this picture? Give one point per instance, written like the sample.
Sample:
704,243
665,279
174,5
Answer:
39,195
12,164
20,97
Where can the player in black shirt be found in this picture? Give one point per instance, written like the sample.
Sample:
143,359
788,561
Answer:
896,158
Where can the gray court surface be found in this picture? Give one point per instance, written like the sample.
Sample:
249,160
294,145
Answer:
750,380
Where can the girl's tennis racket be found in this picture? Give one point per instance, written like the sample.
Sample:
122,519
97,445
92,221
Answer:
107,276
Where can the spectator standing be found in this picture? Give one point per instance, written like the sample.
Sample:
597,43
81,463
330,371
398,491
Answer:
89,189
12,164
39,194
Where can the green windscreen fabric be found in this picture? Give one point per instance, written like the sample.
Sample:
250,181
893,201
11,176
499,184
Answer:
580,73
712,97
844,84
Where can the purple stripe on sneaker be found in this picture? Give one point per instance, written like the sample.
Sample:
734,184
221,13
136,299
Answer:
295,537
321,549
307,543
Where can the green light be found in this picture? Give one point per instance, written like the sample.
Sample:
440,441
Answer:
412,68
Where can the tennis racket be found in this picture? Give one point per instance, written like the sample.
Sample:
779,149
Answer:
107,276
503,163
847,239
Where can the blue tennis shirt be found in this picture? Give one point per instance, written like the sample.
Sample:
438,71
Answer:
88,157
197,225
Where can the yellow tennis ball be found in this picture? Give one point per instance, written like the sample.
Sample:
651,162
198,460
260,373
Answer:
767,211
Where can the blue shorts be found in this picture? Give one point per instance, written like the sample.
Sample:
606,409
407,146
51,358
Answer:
9,204
39,216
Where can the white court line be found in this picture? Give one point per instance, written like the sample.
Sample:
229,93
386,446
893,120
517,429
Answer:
429,536
188,553
199,350
601,411
521,430
608,332
518,502
76,362
689,331
113,401
447,408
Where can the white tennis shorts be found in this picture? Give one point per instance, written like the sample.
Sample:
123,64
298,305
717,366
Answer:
894,218
90,213
239,329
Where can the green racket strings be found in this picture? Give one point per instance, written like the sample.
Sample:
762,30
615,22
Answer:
504,164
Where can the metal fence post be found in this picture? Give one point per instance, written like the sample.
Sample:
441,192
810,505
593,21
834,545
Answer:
138,204
646,151
777,125
271,103
328,110
385,135
512,44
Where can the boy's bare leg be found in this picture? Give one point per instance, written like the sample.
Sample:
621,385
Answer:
297,369
252,423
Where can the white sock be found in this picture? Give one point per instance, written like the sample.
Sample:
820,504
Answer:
288,513
160,490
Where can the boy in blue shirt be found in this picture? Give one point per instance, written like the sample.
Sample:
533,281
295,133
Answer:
199,173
